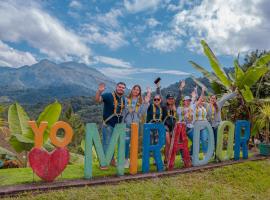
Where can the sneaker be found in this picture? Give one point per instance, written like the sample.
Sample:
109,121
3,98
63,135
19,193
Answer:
126,163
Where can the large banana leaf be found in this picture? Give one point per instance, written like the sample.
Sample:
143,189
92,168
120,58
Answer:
256,71
218,70
263,61
239,73
247,94
231,76
18,120
216,88
252,75
51,115
211,77
20,146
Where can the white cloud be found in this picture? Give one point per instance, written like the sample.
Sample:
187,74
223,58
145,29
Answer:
13,58
128,72
119,68
152,22
135,6
110,18
113,61
228,26
75,4
164,41
29,23
95,34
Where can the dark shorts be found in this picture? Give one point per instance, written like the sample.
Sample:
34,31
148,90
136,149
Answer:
169,129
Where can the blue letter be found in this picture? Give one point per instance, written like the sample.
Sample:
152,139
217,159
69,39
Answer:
241,141
147,147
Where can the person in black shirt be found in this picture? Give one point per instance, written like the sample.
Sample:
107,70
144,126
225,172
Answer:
169,114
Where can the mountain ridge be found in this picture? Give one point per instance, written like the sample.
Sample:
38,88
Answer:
51,80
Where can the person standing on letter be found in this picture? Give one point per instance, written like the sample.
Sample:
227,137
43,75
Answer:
114,104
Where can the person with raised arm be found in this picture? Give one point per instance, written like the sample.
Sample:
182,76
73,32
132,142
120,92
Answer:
200,114
214,110
133,113
113,107
169,115
185,112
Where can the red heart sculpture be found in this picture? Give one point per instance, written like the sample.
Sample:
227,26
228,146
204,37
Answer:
48,165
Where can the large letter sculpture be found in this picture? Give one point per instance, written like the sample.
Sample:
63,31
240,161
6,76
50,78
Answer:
179,142
229,152
134,149
198,126
92,137
49,165
155,149
241,141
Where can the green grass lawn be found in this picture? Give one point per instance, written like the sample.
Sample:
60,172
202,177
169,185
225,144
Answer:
25,175
250,180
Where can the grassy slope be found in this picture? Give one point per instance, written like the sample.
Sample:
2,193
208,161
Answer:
250,180
25,175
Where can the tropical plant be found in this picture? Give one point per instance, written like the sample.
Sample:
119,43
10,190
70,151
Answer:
263,121
241,79
22,137
78,129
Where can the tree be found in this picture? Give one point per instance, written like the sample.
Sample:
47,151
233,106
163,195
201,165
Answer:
241,79
78,129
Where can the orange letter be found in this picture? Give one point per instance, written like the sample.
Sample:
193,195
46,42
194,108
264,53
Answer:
38,131
68,134
134,149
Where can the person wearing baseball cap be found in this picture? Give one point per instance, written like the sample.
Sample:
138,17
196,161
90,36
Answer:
185,113
169,115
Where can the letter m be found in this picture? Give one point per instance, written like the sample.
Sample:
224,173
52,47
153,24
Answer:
92,137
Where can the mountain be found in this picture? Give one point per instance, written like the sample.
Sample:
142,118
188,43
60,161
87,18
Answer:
189,87
47,80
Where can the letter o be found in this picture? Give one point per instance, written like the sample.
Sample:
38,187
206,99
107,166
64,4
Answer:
68,134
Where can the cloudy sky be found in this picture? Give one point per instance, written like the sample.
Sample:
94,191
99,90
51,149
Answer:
132,40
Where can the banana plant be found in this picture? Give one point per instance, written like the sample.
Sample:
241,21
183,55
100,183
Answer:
22,137
240,79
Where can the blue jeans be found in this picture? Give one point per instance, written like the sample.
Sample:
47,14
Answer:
107,132
203,139
215,129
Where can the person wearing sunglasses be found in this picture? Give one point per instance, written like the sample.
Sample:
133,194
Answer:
154,115
169,115
133,113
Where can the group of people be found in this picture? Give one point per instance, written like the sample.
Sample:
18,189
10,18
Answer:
119,108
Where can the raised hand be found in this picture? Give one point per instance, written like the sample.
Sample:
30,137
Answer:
203,89
101,87
148,91
182,84
147,98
